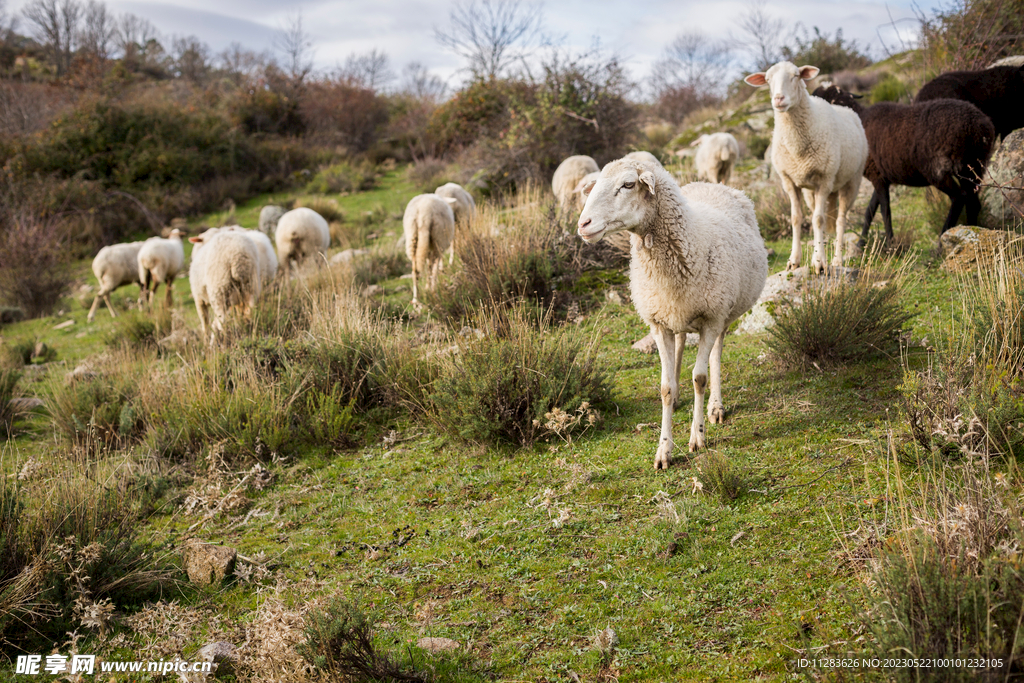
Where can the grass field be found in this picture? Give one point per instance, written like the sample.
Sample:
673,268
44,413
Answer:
729,566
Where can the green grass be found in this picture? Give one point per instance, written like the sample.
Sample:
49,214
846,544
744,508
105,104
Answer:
522,555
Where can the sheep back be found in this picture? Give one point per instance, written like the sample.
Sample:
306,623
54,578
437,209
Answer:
428,226
997,91
568,175
464,207
225,272
117,265
301,233
163,258
715,157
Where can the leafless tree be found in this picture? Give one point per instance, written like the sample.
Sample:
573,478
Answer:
55,23
491,34
371,70
421,84
692,60
191,58
761,34
132,35
297,46
241,64
98,31
8,22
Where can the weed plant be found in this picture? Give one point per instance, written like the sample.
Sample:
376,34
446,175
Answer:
721,477
344,177
8,390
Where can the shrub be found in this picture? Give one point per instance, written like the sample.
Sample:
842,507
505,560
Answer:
343,177
971,34
890,89
839,322
721,477
498,389
428,174
8,386
139,330
34,270
328,208
99,413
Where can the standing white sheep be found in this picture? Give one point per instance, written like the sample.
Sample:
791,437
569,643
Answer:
159,262
716,155
697,263
568,175
817,146
114,266
264,249
428,226
464,209
301,233
224,274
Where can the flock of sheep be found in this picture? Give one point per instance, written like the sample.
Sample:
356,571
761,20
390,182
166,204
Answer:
698,261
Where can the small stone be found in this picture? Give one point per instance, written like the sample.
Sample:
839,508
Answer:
349,255
24,405
81,373
206,563
64,325
40,350
371,290
224,656
437,645
646,345
269,216
613,296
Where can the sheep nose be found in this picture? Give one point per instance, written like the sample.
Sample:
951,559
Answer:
583,223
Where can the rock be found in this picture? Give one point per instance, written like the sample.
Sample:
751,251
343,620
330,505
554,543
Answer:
269,216
1003,200
24,405
64,325
966,247
613,296
851,246
11,314
371,290
437,645
178,339
206,563
648,345
348,255
786,284
224,656
81,373
40,350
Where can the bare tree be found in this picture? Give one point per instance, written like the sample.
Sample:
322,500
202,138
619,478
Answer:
371,70
694,61
191,58
491,34
297,46
421,84
8,22
55,24
241,64
97,33
762,35
132,34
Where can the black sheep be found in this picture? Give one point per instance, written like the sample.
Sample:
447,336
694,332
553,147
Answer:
998,91
943,143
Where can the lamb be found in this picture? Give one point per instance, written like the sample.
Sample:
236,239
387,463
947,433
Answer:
568,175
945,143
817,146
697,262
301,233
716,155
643,156
428,226
160,260
464,208
114,266
998,91
225,273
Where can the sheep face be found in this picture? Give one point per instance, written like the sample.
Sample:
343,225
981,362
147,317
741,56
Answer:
620,199
786,82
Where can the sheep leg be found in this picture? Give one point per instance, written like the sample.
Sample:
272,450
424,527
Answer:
170,293
680,349
838,202
203,309
665,340
716,410
708,337
869,215
92,309
973,205
796,218
818,228
887,213
110,306
415,297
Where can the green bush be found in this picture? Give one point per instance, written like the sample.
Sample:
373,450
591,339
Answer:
343,177
838,323
890,89
8,385
100,412
721,477
499,389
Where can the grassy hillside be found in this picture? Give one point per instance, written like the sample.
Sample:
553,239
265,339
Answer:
730,566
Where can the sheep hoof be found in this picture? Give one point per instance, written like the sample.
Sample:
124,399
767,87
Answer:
790,265
664,456
716,415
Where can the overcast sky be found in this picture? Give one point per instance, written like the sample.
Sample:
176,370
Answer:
404,29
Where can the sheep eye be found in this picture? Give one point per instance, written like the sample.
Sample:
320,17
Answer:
630,185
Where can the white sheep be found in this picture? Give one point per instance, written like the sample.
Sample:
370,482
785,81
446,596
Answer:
464,208
568,175
643,156
264,248
580,192
114,266
697,262
716,155
428,226
816,146
269,217
225,273
301,233
159,262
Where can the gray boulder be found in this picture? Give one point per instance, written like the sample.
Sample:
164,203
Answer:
269,216
206,563
1003,200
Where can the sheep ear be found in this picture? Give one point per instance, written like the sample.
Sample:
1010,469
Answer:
647,178
451,201
195,240
808,72
697,142
756,80
588,187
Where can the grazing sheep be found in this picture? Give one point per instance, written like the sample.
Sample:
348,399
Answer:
943,143
464,208
160,261
300,234
580,192
817,146
269,217
428,226
225,273
697,263
568,175
643,156
716,155
114,266
997,91
264,248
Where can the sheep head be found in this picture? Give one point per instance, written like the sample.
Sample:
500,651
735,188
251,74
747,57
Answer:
785,80
620,199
